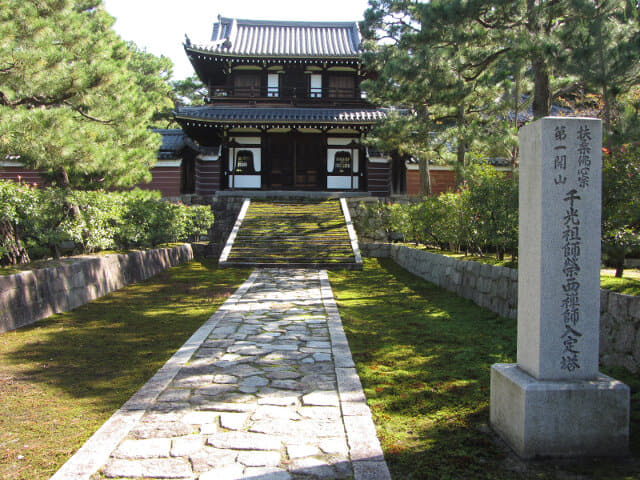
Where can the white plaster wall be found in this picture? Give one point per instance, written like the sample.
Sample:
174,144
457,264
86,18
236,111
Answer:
342,182
245,181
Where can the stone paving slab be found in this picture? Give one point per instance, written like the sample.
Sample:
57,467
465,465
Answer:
265,390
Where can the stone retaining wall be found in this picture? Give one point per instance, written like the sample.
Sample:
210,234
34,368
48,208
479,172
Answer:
225,210
32,295
620,330
496,288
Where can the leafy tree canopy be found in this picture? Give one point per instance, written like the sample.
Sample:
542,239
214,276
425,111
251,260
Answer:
466,68
76,101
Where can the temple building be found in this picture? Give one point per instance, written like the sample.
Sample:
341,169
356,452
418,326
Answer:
284,112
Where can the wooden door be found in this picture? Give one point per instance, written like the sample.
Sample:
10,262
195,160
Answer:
309,161
279,172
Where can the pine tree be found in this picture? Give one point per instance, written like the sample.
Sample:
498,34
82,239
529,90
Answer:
76,101
602,45
435,60
190,91
462,67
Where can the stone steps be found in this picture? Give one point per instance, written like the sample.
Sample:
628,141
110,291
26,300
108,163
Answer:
298,233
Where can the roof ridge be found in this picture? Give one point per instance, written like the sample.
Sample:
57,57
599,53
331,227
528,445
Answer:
306,23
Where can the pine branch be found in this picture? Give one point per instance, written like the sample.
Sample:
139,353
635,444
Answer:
483,64
87,116
570,89
498,25
37,101
34,101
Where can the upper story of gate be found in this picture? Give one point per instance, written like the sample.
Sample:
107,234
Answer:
273,63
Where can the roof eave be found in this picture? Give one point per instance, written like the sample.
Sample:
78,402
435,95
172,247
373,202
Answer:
203,51
249,123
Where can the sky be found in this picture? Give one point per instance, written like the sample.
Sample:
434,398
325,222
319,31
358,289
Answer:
159,26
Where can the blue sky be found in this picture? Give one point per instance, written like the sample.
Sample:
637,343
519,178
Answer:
159,26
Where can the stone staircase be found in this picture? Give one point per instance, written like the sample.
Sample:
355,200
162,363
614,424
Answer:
292,233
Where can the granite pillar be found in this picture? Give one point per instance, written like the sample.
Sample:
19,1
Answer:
554,402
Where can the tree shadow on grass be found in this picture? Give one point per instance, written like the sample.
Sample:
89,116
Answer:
424,357
107,349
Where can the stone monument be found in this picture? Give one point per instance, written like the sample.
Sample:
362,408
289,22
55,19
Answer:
554,401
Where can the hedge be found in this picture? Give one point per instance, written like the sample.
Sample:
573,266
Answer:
47,220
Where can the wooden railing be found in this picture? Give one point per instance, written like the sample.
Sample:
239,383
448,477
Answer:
286,93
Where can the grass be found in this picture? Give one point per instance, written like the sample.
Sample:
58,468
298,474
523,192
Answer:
629,284
424,356
61,378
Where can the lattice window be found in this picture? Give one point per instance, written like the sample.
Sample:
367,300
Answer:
244,162
342,163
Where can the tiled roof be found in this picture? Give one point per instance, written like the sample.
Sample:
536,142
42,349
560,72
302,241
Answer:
173,141
172,138
280,115
282,39
526,115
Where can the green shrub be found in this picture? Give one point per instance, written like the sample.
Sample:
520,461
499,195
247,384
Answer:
440,221
620,205
482,217
490,203
47,218
199,221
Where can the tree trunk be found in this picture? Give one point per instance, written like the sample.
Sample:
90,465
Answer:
516,113
71,208
74,210
516,99
606,100
542,89
462,144
425,177
16,254
617,255
462,150
542,85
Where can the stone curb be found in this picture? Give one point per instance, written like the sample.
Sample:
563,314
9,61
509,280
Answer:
234,232
364,448
95,452
352,233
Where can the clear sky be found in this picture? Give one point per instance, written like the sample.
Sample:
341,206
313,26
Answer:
159,26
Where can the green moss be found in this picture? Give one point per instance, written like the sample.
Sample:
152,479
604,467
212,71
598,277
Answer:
629,284
424,358
281,232
61,378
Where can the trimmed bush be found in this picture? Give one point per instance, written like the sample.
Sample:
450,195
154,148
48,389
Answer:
50,221
481,217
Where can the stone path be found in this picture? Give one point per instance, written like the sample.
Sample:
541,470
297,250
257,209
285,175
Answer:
265,390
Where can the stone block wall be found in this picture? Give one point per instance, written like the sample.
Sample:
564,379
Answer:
225,210
496,288
36,294
620,330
